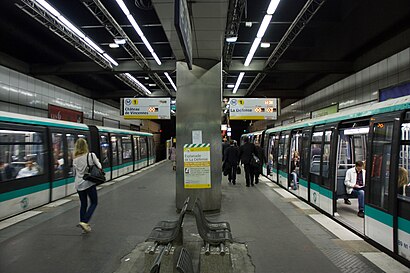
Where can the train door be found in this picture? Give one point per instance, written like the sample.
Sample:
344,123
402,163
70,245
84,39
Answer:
137,156
294,160
62,155
380,195
126,154
283,155
402,219
272,154
151,151
321,174
143,151
351,147
304,169
105,154
115,155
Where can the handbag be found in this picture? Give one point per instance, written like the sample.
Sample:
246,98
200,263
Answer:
238,169
93,173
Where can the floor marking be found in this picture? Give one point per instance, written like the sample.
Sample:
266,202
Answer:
335,228
108,183
302,205
284,193
57,203
385,262
264,179
122,178
133,173
18,218
270,184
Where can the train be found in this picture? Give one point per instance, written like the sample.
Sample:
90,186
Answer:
36,157
321,150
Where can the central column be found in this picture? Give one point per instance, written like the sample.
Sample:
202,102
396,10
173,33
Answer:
198,107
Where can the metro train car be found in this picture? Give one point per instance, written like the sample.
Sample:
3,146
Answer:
321,150
254,137
36,156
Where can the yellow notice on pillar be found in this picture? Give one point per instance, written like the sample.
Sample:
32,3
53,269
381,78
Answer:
197,166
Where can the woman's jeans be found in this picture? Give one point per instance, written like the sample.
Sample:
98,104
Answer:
85,214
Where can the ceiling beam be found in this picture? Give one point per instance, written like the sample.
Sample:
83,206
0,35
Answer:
300,67
93,68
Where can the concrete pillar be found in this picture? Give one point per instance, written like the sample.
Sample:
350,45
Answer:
198,107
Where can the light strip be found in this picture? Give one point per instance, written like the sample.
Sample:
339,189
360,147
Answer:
138,83
264,25
252,51
238,82
170,81
138,29
272,6
74,29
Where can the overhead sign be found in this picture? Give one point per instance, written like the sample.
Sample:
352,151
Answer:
183,28
197,166
146,108
253,109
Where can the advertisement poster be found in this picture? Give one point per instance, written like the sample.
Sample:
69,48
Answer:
197,166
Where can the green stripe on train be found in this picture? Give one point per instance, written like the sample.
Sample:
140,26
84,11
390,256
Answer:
379,215
322,191
282,173
23,192
404,224
303,182
46,123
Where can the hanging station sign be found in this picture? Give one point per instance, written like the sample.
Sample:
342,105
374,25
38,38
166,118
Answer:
253,109
146,108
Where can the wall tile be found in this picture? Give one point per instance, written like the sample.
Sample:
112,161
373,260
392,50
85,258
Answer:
4,75
403,60
14,78
392,65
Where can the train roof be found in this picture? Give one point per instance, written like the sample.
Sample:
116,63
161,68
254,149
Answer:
25,119
121,131
391,105
253,133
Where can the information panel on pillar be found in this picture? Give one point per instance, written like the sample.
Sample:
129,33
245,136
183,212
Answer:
146,108
253,108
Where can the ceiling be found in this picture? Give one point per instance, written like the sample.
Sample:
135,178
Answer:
330,40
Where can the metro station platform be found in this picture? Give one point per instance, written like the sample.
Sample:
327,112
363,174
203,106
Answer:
282,233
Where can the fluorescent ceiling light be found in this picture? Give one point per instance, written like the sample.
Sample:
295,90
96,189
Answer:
147,78
113,45
272,6
265,45
120,41
248,24
138,83
123,7
111,60
238,82
138,30
252,51
264,26
93,45
232,39
71,26
171,81
48,7
152,84
231,85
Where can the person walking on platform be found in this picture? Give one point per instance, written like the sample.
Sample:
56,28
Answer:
246,152
259,153
173,157
355,184
86,189
231,161
225,145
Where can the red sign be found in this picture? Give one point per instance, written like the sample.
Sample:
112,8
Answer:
61,113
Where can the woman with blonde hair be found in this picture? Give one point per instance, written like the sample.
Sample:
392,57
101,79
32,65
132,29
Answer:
402,181
86,189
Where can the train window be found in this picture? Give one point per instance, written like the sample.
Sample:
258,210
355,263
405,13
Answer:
359,142
21,154
137,156
328,136
104,150
305,155
143,147
315,152
58,155
380,164
126,147
317,137
114,151
119,147
71,139
325,160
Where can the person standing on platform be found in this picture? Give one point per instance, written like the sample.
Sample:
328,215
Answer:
225,145
173,157
86,189
355,184
246,152
232,160
259,153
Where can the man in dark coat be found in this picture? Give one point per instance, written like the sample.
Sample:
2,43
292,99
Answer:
225,145
231,161
246,152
